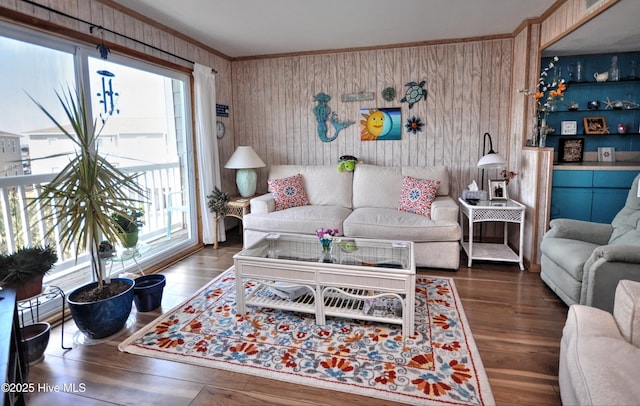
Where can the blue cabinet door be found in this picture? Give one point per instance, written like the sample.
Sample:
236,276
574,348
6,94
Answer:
572,203
614,179
589,195
607,203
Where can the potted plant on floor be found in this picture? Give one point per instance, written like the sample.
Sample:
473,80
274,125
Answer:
129,222
83,197
217,202
24,270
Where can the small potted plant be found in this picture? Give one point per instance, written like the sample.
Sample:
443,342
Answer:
218,202
25,269
129,222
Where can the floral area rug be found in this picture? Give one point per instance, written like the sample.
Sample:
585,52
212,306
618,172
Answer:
439,365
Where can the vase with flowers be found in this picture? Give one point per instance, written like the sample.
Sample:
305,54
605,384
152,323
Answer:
508,175
326,236
547,94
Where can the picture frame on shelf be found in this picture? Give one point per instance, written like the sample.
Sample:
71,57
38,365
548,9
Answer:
606,154
570,150
595,125
569,128
498,189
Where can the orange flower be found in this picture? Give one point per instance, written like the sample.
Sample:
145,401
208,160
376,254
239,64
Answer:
432,389
538,95
461,374
247,348
422,361
341,364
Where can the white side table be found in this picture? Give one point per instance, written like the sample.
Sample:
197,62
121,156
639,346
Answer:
505,211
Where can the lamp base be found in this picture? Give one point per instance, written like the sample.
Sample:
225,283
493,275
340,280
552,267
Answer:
246,181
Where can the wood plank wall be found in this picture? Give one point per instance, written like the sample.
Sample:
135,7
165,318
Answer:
469,93
472,89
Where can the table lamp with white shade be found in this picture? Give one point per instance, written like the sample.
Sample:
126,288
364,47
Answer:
245,160
491,159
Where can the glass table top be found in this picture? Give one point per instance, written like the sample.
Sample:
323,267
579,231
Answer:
345,251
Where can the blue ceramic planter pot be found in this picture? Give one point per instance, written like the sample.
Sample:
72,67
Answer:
147,292
105,317
35,338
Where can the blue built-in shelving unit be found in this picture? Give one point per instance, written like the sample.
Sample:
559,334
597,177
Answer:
627,88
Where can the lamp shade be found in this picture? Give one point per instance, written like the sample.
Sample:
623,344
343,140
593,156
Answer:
492,160
244,157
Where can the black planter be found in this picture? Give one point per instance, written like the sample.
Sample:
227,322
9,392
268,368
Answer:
35,338
147,292
105,317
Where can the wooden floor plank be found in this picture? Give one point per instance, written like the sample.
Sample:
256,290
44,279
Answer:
515,320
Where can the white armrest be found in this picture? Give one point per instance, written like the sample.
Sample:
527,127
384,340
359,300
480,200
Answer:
263,204
444,208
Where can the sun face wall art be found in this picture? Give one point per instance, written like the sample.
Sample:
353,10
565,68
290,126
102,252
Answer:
382,124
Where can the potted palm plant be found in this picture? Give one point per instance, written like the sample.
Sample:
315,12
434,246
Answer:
24,270
83,197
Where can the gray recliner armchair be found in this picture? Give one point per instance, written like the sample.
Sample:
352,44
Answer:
582,262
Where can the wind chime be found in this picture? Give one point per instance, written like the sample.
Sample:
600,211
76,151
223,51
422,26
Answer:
108,95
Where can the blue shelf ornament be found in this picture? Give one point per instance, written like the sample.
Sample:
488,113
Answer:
322,111
415,92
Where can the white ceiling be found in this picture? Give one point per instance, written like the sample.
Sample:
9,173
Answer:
240,28
617,29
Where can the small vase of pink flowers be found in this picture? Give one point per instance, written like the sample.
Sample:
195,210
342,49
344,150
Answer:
326,236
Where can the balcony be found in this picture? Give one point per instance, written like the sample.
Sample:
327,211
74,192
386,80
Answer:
167,221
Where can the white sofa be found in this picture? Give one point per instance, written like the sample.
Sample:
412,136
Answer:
363,204
600,352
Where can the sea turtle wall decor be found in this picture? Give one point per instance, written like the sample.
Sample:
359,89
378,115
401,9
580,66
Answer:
415,92
322,111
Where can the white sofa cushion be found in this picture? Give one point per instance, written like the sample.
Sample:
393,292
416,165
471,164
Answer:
381,186
392,224
626,310
325,186
597,366
300,220
377,186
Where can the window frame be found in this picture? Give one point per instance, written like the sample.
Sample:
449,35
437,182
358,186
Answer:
81,52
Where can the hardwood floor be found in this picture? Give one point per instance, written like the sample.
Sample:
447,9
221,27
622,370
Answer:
515,319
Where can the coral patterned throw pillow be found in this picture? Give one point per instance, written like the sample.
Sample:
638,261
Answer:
417,195
288,192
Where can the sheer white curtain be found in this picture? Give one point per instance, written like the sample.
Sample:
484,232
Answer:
207,147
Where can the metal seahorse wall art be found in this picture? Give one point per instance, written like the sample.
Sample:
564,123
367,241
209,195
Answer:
322,111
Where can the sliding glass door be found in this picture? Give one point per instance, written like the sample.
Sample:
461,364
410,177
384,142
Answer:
145,114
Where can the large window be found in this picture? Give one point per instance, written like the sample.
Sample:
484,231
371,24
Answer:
146,114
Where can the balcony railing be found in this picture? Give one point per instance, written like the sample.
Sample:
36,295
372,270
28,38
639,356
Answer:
21,226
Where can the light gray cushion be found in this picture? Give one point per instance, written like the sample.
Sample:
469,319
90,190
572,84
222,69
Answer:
628,219
569,255
301,219
324,185
393,224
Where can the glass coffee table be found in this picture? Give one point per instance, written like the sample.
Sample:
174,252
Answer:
362,279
